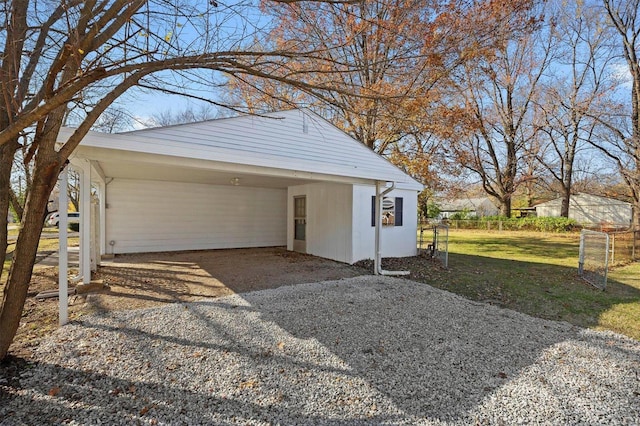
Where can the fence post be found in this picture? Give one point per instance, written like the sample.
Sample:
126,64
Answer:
581,258
613,248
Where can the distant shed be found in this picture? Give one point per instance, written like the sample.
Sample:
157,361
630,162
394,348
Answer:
473,207
590,209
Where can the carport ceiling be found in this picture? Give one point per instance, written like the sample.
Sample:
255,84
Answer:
163,172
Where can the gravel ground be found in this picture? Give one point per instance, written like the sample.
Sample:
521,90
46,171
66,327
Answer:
364,350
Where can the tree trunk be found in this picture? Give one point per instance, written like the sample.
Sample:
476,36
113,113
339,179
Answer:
566,199
15,292
505,207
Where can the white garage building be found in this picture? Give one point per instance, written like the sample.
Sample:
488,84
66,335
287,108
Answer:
285,179
589,209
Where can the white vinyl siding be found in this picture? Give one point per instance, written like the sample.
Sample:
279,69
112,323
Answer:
328,228
339,223
396,241
146,216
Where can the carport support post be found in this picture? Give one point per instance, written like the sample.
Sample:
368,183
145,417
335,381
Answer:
63,280
377,263
85,221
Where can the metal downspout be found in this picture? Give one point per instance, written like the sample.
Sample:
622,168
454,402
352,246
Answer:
377,263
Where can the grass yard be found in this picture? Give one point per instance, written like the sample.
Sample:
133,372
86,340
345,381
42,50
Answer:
536,273
48,243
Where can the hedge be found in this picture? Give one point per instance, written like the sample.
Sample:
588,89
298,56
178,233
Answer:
540,224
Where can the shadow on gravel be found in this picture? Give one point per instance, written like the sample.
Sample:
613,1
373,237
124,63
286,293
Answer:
67,395
365,350
433,354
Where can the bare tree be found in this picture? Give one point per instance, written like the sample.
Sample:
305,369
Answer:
620,142
577,90
87,54
499,93
187,115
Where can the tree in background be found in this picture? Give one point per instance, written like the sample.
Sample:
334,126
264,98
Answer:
404,51
498,94
86,54
620,139
579,87
187,115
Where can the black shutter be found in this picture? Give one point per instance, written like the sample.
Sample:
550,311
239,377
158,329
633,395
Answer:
398,216
373,210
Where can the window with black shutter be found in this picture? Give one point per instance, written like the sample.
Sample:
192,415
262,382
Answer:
392,210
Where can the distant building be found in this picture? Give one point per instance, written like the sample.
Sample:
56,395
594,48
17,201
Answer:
590,209
473,207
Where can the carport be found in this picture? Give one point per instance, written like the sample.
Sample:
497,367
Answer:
285,179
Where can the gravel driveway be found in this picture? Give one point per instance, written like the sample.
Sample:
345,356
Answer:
363,350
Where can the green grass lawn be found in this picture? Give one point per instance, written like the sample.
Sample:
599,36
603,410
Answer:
536,273
48,243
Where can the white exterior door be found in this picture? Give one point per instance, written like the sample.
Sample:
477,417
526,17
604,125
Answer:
300,224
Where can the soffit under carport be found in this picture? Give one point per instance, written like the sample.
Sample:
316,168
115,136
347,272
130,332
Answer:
118,164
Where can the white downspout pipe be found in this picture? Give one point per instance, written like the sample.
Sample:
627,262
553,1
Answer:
377,263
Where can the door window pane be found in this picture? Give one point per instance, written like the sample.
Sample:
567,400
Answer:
300,218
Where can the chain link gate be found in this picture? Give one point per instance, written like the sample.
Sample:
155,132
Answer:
438,248
593,264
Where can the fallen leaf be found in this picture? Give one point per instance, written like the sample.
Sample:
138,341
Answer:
248,384
54,391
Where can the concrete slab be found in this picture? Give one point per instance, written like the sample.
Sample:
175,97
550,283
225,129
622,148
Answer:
53,258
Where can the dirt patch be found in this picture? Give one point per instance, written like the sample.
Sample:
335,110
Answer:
152,279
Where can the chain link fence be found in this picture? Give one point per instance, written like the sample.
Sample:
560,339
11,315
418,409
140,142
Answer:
593,263
433,242
624,247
